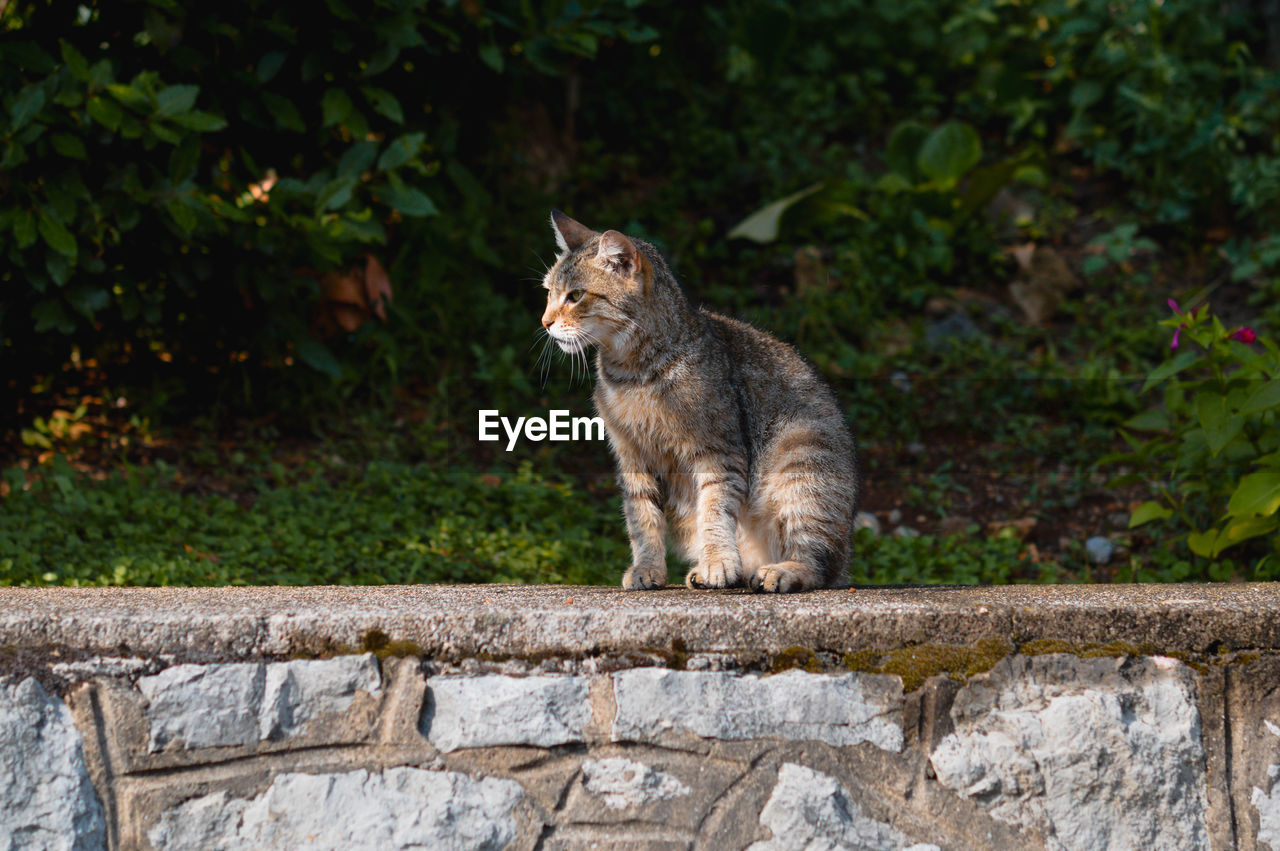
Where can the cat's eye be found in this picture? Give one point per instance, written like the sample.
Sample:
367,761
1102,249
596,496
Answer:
574,296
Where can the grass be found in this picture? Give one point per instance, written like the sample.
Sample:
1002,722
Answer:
390,522
387,522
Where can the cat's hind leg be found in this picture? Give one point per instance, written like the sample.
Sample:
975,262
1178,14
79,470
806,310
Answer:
807,488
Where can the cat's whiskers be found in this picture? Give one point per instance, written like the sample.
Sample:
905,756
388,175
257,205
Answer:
582,351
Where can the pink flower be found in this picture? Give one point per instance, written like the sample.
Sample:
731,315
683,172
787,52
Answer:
1244,335
1173,305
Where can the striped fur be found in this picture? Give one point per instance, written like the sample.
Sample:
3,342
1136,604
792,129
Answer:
724,437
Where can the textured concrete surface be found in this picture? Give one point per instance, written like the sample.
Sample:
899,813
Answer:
209,624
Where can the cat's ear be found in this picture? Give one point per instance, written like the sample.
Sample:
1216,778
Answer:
569,234
618,254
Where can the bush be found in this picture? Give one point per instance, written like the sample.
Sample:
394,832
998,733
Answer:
189,184
1211,451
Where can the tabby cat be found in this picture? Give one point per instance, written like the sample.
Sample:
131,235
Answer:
721,433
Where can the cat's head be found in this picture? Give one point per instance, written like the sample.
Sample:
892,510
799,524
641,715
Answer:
595,286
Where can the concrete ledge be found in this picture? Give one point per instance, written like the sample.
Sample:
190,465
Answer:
212,624
516,717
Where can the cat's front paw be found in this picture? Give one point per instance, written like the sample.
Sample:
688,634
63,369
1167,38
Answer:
724,572
644,578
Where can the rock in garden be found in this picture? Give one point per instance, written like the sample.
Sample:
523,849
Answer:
1099,549
954,525
1019,528
866,520
905,532
956,328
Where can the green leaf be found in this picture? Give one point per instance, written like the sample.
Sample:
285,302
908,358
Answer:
358,159
130,94
199,121
69,146
175,100
984,184
26,106
58,267
1148,511
1204,543
285,112
57,237
24,229
75,61
903,150
49,315
269,65
892,182
1152,419
1266,397
337,107
183,216
401,151
406,200
491,55
949,152
1170,368
1244,528
164,133
1086,93
184,159
384,103
1220,426
88,300
317,356
335,193
101,73
105,111
1257,493
29,57
762,225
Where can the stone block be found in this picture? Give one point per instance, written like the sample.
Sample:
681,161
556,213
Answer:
47,800
809,809
1090,753
391,809
493,709
204,706
244,703
846,709
296,692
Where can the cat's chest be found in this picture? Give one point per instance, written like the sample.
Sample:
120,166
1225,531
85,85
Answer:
644,414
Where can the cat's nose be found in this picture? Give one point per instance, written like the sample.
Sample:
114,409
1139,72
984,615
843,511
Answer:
547,323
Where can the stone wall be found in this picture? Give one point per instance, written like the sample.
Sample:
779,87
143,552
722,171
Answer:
495,717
